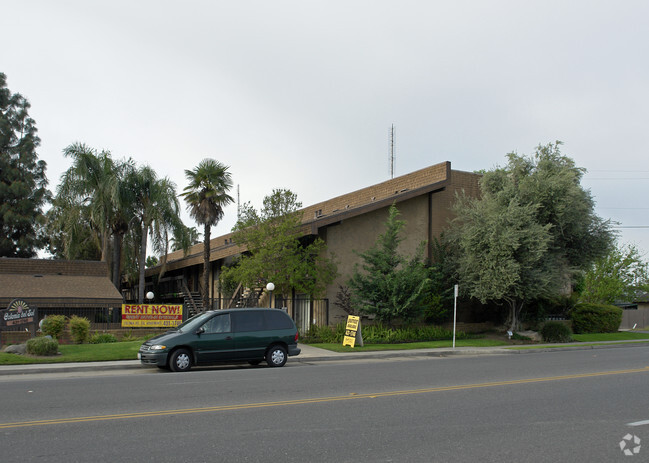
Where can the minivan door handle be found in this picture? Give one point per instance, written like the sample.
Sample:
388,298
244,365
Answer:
229,338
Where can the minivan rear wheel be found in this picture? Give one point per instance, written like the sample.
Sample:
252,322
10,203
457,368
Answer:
276,356
181,360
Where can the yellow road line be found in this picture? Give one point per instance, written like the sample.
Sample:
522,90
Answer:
85,419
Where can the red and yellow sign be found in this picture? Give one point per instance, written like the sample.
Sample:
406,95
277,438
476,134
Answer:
152,315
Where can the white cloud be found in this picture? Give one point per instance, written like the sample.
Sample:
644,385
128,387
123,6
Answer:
301,95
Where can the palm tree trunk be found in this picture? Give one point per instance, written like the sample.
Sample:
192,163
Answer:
206,267
117,260
142,263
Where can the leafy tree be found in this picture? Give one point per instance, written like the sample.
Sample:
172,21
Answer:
276,250
438,296
618,276
551,181
23,184
70,232
206,197
157,212
93,204
532,230
184,238
501,252
390,285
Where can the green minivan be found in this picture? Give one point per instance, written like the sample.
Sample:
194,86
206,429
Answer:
224,336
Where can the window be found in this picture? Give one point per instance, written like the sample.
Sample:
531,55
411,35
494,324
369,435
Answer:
248,321
277,320
218,324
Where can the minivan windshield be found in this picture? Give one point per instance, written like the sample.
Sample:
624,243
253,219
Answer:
192,324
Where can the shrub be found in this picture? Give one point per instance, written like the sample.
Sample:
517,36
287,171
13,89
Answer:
54,325
79,329
596,318
102,338
556,332
329,334
382,334
129,337
42,345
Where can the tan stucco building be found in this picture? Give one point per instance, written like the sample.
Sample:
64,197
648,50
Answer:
347,223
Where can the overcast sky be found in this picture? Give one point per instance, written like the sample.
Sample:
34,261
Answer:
302,94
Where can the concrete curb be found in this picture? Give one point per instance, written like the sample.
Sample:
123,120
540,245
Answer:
311,354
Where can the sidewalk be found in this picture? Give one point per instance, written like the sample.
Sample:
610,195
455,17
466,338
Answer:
313,354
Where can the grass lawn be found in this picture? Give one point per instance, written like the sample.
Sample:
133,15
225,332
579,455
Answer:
619,336
80,353
128,350
412,345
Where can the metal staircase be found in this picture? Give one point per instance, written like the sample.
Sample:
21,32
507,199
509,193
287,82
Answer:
193,301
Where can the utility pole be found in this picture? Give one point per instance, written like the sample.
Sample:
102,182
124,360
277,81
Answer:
238,203
392,151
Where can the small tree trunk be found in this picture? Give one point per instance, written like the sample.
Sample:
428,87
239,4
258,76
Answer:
514,315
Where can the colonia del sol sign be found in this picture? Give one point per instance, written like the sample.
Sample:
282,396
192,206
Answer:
18,313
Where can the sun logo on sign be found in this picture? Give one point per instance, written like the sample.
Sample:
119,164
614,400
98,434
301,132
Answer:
18,306
630,445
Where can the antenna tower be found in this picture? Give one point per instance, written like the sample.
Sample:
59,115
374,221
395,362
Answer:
392,151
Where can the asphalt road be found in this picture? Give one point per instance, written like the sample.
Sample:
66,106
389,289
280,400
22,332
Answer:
550,406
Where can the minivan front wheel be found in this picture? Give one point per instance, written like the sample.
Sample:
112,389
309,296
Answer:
276,356
180,360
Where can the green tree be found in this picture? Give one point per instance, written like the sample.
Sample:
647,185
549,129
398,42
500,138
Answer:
206,197
70,231
276,250
552,182
184,239
157,211
531,232
618,276
93,205
390,285
23,184
501,251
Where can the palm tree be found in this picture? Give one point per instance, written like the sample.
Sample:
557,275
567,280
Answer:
157,212
94,189
206,197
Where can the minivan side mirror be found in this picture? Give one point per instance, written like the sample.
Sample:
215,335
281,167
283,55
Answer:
200,330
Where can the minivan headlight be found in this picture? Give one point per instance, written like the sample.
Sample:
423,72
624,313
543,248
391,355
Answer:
158,347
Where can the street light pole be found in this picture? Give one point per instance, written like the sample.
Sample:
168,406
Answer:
270,287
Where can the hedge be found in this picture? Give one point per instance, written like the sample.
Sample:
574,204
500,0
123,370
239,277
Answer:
595,318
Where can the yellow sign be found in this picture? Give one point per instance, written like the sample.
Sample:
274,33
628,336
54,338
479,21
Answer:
352,330
152,315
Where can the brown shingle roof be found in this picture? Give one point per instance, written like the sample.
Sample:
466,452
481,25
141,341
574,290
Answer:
326,212
49,283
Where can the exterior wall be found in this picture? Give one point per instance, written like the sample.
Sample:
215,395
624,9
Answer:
442,201
360,233
353,222
426,217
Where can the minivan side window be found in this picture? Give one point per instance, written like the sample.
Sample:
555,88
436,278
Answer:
218,324
248,321
277,320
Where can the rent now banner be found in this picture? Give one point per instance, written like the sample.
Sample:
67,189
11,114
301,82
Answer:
152,315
